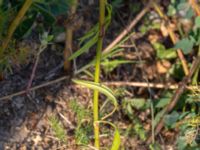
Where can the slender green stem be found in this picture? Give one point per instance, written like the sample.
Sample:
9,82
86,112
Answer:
152,123
97,71
195,77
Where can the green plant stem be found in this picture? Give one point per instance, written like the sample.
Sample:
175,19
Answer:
15,23
97,71
152,123
195,77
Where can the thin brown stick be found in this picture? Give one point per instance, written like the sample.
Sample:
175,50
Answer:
35,88
33,73
41,49
128,29
148,85
175,98
114,83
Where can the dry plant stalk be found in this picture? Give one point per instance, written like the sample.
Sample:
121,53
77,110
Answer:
114,83
148,85
195,6
69,28
173,38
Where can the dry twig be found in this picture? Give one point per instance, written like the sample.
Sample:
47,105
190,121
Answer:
115,83
148,85
34,88
41,49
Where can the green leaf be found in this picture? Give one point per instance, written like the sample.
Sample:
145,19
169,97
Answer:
171,119
45,38
138,103
190,13
79,110
110,65
116,62
171,10
116,140
155,146
82,133
129,109
185,45
107,54
162,102
197,22
4,21
176,71
194,36
50,9
89,34
57,128
102,89
117,3
92,36
26,25
55,7
85,48
164,53
185,10
49,18
158,117
181,143
140,131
